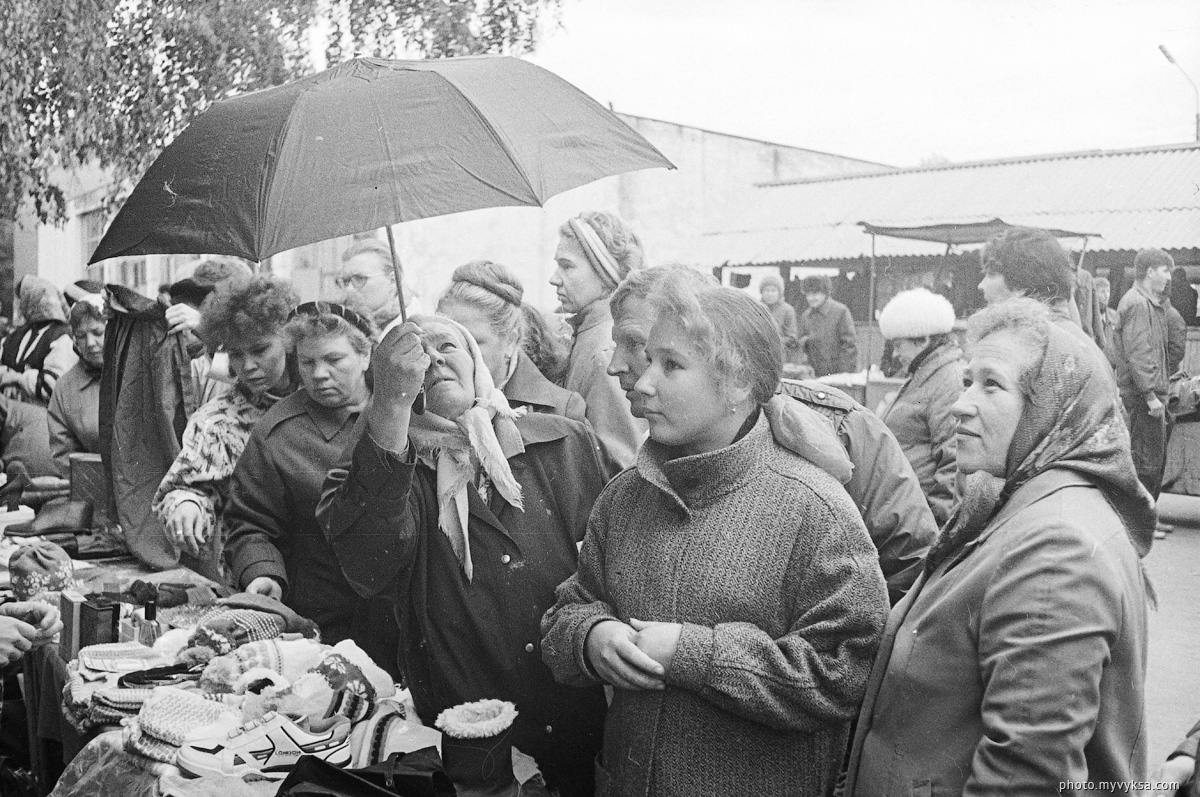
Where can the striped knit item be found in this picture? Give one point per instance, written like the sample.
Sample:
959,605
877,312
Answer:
120,657
225,630
171,713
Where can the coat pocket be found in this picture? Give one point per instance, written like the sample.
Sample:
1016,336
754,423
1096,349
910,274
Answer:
921,788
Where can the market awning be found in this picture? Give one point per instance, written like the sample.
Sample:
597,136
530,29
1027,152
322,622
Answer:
952,234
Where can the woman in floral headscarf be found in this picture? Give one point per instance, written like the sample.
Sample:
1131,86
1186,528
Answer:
1017,661
466,518
37,353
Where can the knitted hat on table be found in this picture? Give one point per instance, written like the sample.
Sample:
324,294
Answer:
40,567
916,314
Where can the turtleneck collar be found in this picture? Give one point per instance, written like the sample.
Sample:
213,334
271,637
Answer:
593,315
695,480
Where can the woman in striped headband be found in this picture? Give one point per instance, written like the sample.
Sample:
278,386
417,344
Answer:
596,250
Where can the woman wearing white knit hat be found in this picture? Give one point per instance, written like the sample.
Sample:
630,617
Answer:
918,323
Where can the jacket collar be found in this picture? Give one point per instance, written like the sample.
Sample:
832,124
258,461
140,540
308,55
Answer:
1156,301
1041,486
328,421
928,362
691,481
595,314
527,385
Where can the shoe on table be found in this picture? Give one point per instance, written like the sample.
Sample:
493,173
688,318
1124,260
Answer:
268,748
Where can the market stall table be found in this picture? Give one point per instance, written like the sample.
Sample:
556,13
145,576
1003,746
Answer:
53,742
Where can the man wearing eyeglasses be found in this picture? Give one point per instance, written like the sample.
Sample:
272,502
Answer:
367,283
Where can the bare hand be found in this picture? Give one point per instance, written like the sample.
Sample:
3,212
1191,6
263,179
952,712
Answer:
182,318
43,617
8,376
1179,771
1155,407
265,585
188,526
617,660
398,365
16,638
657,640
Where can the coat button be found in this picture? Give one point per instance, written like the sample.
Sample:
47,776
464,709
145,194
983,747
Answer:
549,729
529,647
820,395
505,559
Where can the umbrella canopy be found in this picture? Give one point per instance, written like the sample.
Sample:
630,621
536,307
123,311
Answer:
367,144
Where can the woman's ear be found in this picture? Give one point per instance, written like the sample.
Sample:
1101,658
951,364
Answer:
737,394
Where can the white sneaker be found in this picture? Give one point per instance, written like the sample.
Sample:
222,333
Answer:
268,748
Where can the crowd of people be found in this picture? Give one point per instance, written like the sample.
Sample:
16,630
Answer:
690,575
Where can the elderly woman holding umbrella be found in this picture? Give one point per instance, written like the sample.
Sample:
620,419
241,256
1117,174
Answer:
595,252
1016,662
726,588
466,518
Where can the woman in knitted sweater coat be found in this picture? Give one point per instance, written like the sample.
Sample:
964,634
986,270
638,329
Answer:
726,588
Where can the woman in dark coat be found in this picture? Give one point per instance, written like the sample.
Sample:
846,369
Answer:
466,518
274,545
1017,661
727,588
485,297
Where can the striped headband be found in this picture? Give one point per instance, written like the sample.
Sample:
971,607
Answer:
357,320
597,253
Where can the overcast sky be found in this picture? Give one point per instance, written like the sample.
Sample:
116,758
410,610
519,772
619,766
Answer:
894,81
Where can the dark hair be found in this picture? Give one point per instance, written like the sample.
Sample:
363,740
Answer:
732,331
1032,262
617,236
242,307
549,352
83,311
493,289
817,283
642,282
1147,259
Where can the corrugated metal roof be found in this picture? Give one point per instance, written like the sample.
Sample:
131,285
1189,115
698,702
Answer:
1133,198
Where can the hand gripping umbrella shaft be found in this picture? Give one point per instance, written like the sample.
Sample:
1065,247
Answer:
419,404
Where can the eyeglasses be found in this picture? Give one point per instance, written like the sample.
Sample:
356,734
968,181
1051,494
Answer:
356,281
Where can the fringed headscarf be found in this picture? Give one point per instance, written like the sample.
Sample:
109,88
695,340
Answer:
1070,421
464,450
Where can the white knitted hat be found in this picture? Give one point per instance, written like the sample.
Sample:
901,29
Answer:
915,314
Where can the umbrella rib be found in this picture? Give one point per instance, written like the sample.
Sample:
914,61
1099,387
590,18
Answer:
495,134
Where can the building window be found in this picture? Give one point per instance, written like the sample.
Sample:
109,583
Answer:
93,224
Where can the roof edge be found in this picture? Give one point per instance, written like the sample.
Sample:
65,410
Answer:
1090,153
885,166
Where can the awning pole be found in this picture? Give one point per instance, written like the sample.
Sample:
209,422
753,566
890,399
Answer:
871,322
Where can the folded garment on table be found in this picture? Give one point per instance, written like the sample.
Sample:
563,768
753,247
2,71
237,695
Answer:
119,657
171,713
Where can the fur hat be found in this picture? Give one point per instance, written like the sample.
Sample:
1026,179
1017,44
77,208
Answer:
771,281
916,314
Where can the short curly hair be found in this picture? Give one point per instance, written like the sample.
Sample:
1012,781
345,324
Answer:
242,307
